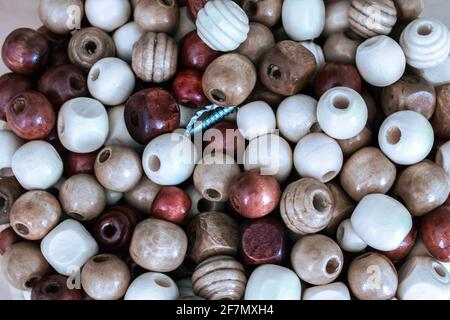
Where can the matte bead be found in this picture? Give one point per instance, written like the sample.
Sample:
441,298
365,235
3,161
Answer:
61,17
259,40
343,207
441,118
157,15
118,132
333,291
373,17
261,93
336,16
10,191
142,195
334,75
152,286
408,10
438,75
185,25
303,19
200,204
124,39
106,14
9,144
7,238
247,115
195,53
194,6
404,248
340,47
348,239
78,163
12,84
267,12
224,137
434,231
171,204
352,145
187,88
317,52
54,288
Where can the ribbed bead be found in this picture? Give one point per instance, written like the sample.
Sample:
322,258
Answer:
369,18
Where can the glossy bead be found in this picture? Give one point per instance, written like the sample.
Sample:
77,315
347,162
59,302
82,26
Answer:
157,15
247,115
434,232
303,19
37,165
340,47
369,221
317,267
229,79
408,10
373,17
187,88
142,195
348,239
171,204
343,207
333,291
61,17
90,45
224,137
105,277
7,238
152,286
219,278
30,115
9,144
195,53
118,132
106,14
272,282
254,195
25,51
266,12
77,163
337,75
372,277
259,40
442,115
406,137
352,145
287,68
306,206
54,288
318,156
124,39
336,16
404,248
12,84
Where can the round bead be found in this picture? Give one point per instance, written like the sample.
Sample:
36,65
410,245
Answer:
442,115
195,53
247,116
77,163
10,191
200,204
352,145
333,291
142,195
185,26
439,75
118,132
171,204
267,12
348,239
303,19
340,47
194,6
337,75
61,17
443,159
157,15
408,10
317,52
404,248
124,38
54,288
152,286
434,232
7,238
187,88
106,14
12,84
343,207
336,16
224,137
373,17
259,40
9,144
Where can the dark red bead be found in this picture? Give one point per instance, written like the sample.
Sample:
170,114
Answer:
11,84
58,42
187,88
335,74
195,53
404,249
150,113
171,204
225,137
77,163
54,287
7,238
194,6
58,58
435,233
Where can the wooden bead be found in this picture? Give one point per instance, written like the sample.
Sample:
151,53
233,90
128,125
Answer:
373,17
224,137
171,204
336,16
152,286
317,52
9,144
54,288
340,47
343,207
124,39
194,6
185,25
200,204
61,17
404,248
219,278
157,15
287,68
442,159
10,191
434,232
118,133
78,163
187,88
365,269
105,277
7,238
195,53
442,114
352,145
12,84
90,45
408,10
158,245
317,267
348,239
142,195
212,234
303,19
438,75
333,291
246,116
266,12
259,40
261,93
337,75
155,57
229,79
107,15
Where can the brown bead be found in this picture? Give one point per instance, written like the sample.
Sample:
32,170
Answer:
171,204
54,287
195,53
261,93
287,68
367,171
58,42
158,245
350,146
267,12
372,108
306,206
24,265
90,45
317,266
423,187
77,163
341,47
187,88
7,238
404,248
157,15
35,214
219,278
435,233
408,10
372,276
11,84
194,6
155,57
343,207
229,79
105,277
10,191
259,40
224,137
441,118
335,74
143,194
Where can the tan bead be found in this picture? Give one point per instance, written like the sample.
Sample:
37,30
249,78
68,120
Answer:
212,234
105,277
336,16
157,15
58,15
408,10
229,79
142,195
10,191
82,197
267,12
343,207
372,276
441,118
306,206
219,278
350,146
24,265
341,47
317,259
35,214
155,57
158,245
259,40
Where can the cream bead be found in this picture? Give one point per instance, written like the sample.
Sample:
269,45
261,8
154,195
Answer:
317,52
426,43
37,165
62,16
348,239
9,143
297,116
255,119
438,75
342,113
200,204
380,61
318,156
4,125
406,137
222,25
169,159
125,37
271,154
83,125
336,17
118,132
68,246
272,282
107,15
419,249
303,19
152,286
381,221
443,159
332,291
185,25
112,197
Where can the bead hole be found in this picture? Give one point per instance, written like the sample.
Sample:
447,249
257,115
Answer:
425,29
203,205
341,102
76,216
274,72
22,229
440,271
100,259
212,194
320,203
104,156
163,282
250,8
167,3
31,282
76,83
155,163
329,175
52,288
90,47
332,266
19,105
3,203
95,74
218,95
393,135
109,231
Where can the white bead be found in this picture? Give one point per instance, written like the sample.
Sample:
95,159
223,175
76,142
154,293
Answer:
419,249
152,286
83,125
107,15
68,247
381,221
185,25
438,75
4,125
112,197
118,132
426,43
303,19
222,25
332,291
406,137
317,52
348,239
380,61
125,37
297,116
9,143
272,282
318,156
255,119
169,159
423,278
342,113
443,159
271,154
37,165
